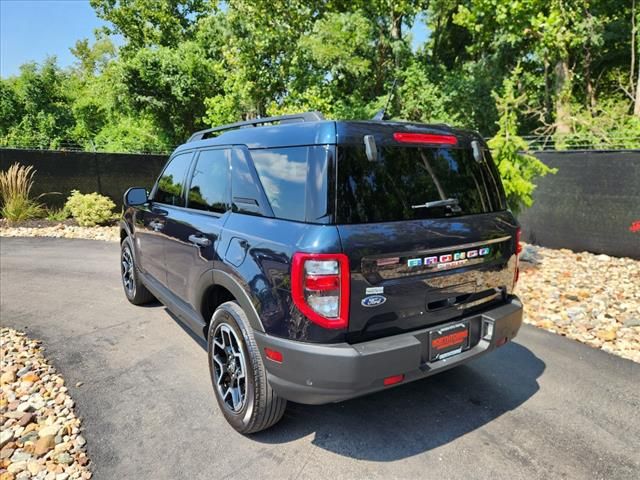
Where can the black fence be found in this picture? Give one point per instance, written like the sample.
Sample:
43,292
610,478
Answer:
106,173
592,204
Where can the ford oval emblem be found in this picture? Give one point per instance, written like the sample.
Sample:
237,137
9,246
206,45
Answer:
373,300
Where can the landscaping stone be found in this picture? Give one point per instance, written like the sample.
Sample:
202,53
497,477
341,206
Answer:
60,230
594,299
35,407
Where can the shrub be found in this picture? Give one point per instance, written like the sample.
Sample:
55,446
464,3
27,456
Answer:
58,214
90,209
15,190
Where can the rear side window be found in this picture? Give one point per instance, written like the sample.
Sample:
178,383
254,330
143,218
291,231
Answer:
246,195
404,179
294,180
209,188
171,182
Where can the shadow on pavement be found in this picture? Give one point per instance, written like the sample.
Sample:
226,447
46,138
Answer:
416,417
419,416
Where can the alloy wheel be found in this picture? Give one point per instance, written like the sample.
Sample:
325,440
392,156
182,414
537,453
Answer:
126,268
229,368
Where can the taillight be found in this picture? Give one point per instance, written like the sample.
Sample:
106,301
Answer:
518,244
434,139
320,287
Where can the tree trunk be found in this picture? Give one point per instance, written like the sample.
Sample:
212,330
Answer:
396,26
591,96
563,97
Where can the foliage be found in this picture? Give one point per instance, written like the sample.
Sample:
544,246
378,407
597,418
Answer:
36,107
15,189
58,215
607,125
517,168
182,65
90,209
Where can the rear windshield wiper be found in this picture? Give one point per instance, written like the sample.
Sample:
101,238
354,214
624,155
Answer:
449,202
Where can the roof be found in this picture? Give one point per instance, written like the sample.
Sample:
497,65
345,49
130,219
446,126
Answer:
323,132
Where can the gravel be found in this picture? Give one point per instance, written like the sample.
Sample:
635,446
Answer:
40,435
66,229
594,299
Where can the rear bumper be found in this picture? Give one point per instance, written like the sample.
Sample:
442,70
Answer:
317,374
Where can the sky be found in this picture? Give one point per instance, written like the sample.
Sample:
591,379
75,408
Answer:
30,30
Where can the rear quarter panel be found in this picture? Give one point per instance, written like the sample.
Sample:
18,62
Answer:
257,253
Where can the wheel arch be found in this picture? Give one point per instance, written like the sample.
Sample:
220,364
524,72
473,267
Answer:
226,288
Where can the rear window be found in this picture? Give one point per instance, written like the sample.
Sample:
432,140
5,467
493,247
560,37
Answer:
406,181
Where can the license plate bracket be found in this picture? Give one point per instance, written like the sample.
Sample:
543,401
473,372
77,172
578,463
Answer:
448,341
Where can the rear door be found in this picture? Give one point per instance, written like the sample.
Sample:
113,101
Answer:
415,263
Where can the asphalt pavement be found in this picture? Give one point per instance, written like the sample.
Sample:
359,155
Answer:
540,407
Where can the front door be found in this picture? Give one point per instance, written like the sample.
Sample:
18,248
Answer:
194,233
151,238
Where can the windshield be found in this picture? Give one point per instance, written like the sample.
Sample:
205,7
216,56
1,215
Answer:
413,183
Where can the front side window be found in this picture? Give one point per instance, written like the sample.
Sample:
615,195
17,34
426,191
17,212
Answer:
209,183
171,182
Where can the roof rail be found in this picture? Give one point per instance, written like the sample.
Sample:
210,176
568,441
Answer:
293,118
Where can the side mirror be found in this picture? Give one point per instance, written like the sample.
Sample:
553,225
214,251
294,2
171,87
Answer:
135,196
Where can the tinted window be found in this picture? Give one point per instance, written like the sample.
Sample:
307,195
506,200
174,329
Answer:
171,181
246,195
294,180
208,190
405,178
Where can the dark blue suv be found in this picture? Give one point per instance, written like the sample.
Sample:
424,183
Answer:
323,260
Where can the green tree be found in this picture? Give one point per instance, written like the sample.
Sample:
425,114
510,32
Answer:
41,107
517,168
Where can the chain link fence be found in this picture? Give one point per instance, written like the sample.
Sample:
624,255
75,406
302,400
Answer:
575,142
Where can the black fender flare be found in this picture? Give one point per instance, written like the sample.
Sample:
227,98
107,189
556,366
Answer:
124,226
225,280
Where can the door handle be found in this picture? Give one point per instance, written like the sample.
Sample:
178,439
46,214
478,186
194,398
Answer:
159,211
199,240
156,225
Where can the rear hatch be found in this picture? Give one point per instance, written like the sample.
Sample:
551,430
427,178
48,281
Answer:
425,226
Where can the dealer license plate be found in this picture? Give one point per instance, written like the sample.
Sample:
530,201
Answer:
448,341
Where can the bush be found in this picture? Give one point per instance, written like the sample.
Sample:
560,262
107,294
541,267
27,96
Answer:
15,190
58,214
90,209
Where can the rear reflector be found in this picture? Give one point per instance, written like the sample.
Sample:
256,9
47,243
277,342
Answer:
274,355
434,139
393,380
518,244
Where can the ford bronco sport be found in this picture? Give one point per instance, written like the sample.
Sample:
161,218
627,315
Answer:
323,260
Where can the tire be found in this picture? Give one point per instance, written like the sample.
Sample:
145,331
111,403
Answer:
230,340
134,289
